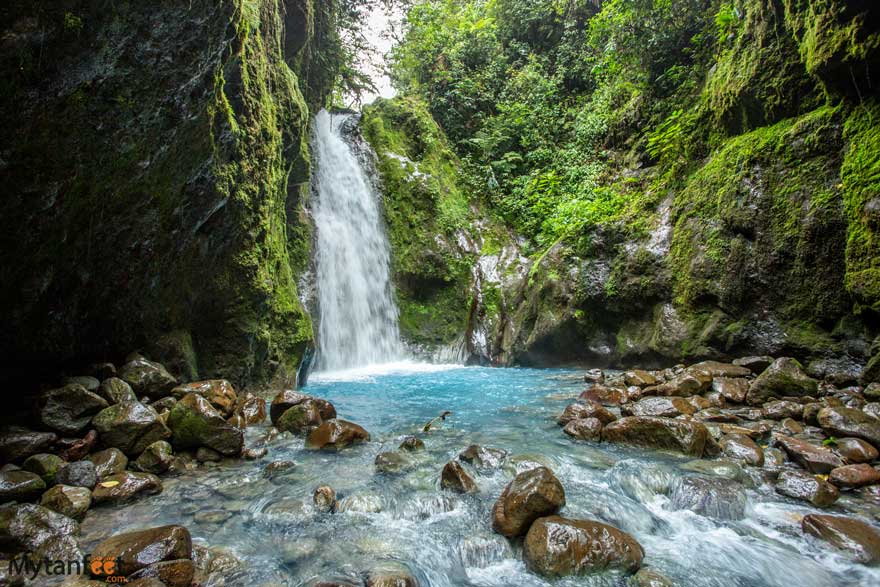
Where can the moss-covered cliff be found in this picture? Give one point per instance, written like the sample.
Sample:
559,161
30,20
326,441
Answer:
154,164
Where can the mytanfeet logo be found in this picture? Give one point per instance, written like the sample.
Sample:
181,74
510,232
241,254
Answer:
99,568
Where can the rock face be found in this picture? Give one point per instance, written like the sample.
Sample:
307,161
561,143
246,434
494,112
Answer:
130,427
858,539
659,433
784,378
69,409
195,423
840,421
137,550
557,547
531,495
336,434
455,478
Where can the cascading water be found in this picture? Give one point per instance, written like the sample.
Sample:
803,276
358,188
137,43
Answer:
357,313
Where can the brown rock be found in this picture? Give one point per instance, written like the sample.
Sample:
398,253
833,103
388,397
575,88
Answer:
806,487
667,407
731,389
194,423
252,411
603,395
324,499
639,378
218,392
125,486
173,573
336,434
531,495
854,476
75,449
717,369
777,410
742,448
455,478
581,410
283,402
584,429
130,427
483,458
855,450
839,421
683,436
300,419
137,550
109,462
813,458
858,539
412,444
558,547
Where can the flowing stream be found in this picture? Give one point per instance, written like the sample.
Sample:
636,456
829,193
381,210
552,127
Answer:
357,314
446,540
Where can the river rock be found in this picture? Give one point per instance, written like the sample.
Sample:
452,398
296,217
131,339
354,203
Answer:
594,376
860,540
812,457
604,395
108,462
790,427
300,419
584,429
639,378
116,391
277,469
87,381
718,369
362,503
667,407
76,449
779,410
683,436
173,573
69,409
17,444
45,465
283,402
483,458
839,421
731,389
783,378
855,450
219,393
872,409
324,499
69,501
717,498
684,385
806,487
558,547
773,458
336,434
854,476
411,444
147,378
581,410
130,427
155,459
742,448
531,495
390,574
391,462
136,550
78,474
18,485
252,411
38,531
455,478
126,486
649,578
754,364
194,422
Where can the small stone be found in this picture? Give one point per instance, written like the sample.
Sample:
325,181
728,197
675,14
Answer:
72,502
324,499
252,411
155,459
455,478
78,474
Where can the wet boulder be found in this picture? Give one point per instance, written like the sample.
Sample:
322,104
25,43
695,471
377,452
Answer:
69,409
336,434
411,444
812,457
721,499
116,391
147,378
252,410
854,476
130,427
108,462
855,450
17,444
78,474
783,378
278,469
155,459
639,378
283,402
45,465
806,487
390,574
126,486
666,407
649,578
754,364
324,499
18,485
683,436
194,423
859,540
69,501
594,376
39,531
483,458
455,478
300,419
584,429
75,449
137,550
717,369
779,410
604,395
173,573
840,421
740,447
581,410
559,547
219,393
531,495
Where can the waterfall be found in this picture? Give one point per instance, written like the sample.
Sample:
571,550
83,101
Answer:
357,313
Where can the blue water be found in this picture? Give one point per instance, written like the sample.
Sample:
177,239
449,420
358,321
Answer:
446,539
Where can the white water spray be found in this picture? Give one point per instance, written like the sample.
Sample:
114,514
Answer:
358,317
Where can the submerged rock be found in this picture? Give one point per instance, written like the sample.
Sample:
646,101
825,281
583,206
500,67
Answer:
684,436
336,434
717,498
324,499
531,495
391,462
558,547
195,423
858,539
806,487
390,574
482,457
783,378
455,478
130,427
412,444
69,409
